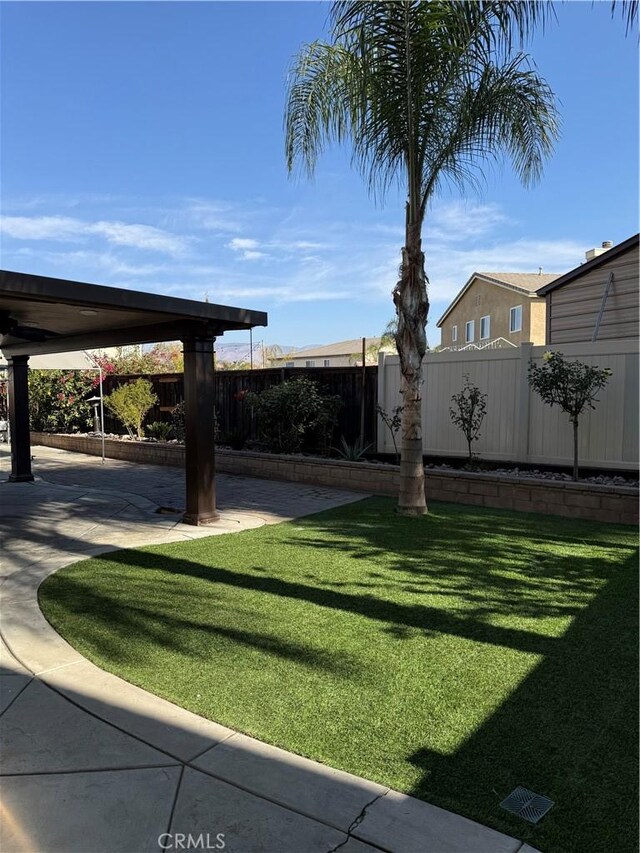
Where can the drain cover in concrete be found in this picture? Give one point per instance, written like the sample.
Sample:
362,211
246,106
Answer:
526,804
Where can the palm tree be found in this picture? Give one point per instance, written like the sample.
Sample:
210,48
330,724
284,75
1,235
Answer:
427,92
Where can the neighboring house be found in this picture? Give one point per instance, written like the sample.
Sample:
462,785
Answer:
341,354
598,300
494,306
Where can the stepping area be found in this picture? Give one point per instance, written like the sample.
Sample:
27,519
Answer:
91,763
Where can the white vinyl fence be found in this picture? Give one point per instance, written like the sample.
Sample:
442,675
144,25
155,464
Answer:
518,426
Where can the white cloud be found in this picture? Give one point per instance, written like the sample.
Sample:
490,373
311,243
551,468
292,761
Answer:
70,229
239,244
41,227
449,267
456,220
212,215
283,261
140,237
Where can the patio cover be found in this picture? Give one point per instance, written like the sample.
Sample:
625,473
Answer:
57,361
40,316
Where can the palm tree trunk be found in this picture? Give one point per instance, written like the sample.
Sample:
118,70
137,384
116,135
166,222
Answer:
412,306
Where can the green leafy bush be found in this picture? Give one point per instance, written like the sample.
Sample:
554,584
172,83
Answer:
177,422
130,403
58,400
294,412
160,430
572,385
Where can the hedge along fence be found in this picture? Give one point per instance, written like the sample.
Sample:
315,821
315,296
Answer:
344,382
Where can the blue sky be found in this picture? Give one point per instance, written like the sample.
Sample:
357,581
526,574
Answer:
142,147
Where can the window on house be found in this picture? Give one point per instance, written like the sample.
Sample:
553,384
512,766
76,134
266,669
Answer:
485,326
326,363
515,319
309,364
469,331
454,334
289,364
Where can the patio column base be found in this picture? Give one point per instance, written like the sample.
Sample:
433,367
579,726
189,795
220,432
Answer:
200,519
21,478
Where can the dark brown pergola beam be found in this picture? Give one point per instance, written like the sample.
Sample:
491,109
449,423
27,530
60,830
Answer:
39,288
155,333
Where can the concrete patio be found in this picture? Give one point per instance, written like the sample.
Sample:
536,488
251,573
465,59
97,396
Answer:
91,763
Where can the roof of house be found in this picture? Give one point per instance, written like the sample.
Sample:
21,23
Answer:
521,282
352,347
594,263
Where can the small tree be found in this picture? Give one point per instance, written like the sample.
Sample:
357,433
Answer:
572,385
393,422
130,403
468,411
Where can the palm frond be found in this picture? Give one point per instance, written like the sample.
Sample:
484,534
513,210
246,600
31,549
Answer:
629,12
319,103
425,91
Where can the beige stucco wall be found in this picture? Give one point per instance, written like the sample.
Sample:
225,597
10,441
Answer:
334,361
573,308
483,298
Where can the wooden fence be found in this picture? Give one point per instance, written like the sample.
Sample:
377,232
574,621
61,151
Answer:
344,382
518,426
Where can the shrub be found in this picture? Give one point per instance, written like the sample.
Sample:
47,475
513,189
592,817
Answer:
292,412
159,430
352,452
178,423
572,385
468,411
58,400
130,403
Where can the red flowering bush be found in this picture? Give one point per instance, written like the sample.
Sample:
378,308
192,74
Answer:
57,400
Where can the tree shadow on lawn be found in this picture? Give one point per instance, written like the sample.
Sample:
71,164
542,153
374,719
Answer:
562,587
488,563
111,622
568,731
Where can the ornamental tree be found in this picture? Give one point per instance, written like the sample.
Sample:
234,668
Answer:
468,411
130,403
572,385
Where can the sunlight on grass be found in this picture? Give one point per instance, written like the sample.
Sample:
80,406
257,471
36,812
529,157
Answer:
452,656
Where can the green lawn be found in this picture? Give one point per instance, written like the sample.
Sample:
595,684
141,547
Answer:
453,656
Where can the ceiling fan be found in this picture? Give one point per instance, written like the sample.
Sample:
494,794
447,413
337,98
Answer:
10,326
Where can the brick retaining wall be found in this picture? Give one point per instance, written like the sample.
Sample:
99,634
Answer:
585,500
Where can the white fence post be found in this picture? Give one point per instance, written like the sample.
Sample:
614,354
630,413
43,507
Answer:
523,411
381,402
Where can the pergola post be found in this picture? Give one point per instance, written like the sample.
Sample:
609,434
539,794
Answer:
199,430
19,419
